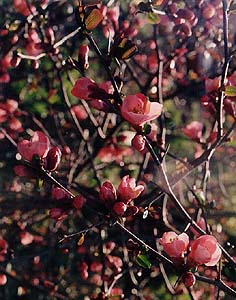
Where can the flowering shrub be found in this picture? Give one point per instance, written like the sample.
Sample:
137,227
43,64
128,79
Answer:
117,138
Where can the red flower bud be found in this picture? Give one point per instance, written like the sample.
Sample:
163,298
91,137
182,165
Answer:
107,192
83,57
138,142
59,194
15,61
66,150
78,202
189,279
53,158
50,35
119,208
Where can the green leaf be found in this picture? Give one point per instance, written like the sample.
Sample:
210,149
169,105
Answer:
39,183
153,18
147,129
230,91
143,261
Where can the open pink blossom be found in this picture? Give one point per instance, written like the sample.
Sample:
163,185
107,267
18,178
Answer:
205,250
128,190
193,130
38,145
137,109
173,244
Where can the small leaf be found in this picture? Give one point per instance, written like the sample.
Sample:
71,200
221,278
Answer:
230,91
39,183
143,261
147,129
81,240
93,19
153,18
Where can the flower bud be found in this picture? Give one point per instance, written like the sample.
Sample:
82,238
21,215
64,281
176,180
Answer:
78,202
59,194
50,35
189,279
15,61
83,57
119,208
53,158
138,142
107,192
3,279
208,12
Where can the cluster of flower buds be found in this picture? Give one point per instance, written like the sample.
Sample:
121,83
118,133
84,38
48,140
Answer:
120,202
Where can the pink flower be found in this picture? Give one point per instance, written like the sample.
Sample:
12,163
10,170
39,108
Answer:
83,88
137,109
205,250
193,130
38,145
173,244
128,190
